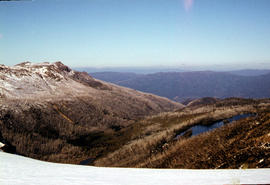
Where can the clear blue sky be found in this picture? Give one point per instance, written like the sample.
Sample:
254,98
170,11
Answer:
99,33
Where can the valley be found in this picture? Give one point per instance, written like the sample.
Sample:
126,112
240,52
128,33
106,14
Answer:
230,146
52,113
134,92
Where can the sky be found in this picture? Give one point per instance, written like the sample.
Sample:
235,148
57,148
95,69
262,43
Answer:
108,33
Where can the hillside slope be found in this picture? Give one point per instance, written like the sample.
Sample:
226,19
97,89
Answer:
50,112
239,139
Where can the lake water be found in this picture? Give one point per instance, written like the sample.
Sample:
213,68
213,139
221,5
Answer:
198,129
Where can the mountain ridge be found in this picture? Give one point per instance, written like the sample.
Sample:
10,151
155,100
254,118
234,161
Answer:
180,86
50,112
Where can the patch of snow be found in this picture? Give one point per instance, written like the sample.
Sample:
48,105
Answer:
29,78
1,145
34,64
18,170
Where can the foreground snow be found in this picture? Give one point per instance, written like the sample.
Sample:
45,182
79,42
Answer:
16,169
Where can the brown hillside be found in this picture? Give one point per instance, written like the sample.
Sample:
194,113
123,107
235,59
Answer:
240,144
50,112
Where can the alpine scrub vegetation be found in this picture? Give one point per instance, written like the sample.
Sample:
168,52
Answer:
234,145
50,112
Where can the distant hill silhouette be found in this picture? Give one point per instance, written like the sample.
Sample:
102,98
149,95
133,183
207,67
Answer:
181,86
250,72
115,77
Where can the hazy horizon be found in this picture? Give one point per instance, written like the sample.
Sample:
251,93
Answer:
159,68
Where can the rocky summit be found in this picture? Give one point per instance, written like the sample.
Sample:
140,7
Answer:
49,111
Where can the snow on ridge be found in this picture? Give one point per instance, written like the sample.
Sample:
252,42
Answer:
27,63
28,78
18,170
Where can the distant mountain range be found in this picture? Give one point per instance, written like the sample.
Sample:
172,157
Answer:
138,70
250,72
165,69
181,86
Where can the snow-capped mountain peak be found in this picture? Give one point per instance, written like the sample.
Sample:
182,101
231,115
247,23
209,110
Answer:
43,78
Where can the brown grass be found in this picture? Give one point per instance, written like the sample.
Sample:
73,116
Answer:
155,145
110,138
